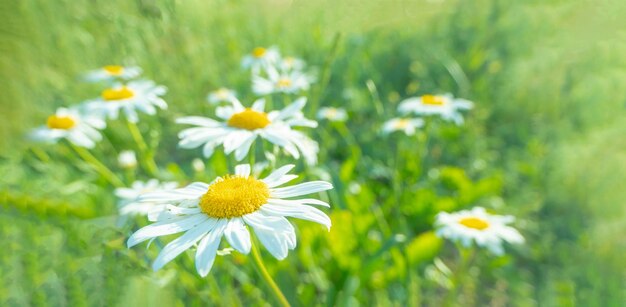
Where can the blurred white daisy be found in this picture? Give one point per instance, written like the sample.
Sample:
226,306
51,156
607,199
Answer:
129,203
71,124
290,82
332,114
406,125
291,63
140,95
243,125
260,57
127,159
486,230
445,106
228,207
221,95
113,72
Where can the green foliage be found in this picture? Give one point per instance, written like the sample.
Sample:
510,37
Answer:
544,143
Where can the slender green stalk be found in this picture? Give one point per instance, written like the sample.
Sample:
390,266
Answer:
101,168
280,297
466,258
325,73
147,158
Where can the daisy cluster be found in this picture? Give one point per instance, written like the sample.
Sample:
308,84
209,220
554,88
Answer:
258,129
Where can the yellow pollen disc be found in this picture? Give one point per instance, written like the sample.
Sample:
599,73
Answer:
249,119
283,82
117,94
259,52
401,123
234,196
60,122
114,70
474,222
433,100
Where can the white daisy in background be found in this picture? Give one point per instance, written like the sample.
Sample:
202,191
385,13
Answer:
129,204
228,207
445,106
140,95
113,72
221,95
127,159
71,124
291,63
260,57
332,114
486,230
406,125
243,125
290,82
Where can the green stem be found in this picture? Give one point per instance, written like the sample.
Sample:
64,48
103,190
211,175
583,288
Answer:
101,168
280,297
148,158
325,73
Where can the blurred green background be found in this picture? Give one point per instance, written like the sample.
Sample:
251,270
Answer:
546,143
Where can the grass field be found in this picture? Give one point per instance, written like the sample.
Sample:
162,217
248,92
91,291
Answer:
544,143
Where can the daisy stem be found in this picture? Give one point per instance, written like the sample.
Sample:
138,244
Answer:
148,158
280,297
325,74
101,168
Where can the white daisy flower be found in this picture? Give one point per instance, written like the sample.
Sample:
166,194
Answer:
406,125
487,230
221,95
332,114
260,57
127,159
129,203
445,106
291,63
243,125
113,72
230,206
71,124
290,82
140,95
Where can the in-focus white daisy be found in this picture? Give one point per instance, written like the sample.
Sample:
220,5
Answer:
129,203
290,82
406,125
476,225
113,72
243,125
261,57
291,63
221,95
445,106
71,124
229,207
140,95
332,114
127,159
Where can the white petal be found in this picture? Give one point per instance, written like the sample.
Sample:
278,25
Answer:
166,227
238,236
242,170
303,212
277,174
301,189
176,247
198,120
207,248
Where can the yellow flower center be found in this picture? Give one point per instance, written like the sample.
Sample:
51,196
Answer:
283,82
60,122
259,52
222,93
433,100
249,119
117,94
234,196
474,222
114,70
401,123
